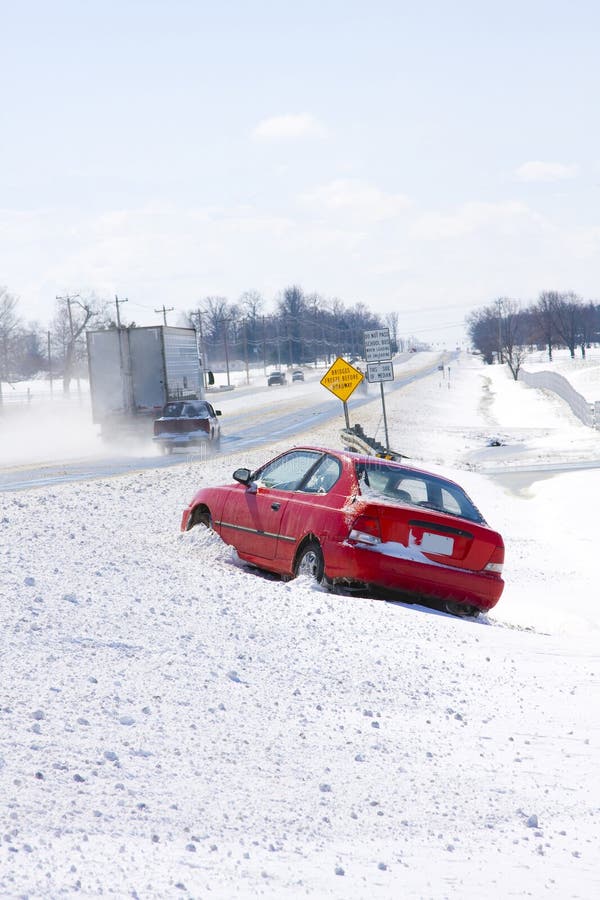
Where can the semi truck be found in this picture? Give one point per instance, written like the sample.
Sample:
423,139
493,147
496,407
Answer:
135,371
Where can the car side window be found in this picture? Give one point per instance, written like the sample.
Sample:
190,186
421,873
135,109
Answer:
324,476
450,503
416,489
287,472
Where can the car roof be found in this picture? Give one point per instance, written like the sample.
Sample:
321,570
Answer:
372,460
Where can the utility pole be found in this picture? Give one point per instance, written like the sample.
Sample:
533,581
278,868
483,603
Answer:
164,311
500,354
76,298
117,304
50,367
225,329
246,351
202,349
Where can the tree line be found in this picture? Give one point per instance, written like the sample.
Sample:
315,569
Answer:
507,330
302,328
27,349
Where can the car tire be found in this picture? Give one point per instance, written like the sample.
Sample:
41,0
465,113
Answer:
200,516
461,610
310,562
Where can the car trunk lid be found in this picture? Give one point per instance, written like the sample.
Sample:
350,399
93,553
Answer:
441,538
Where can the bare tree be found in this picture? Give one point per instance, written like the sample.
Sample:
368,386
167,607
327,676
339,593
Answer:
215,312
589,326
545,318
10,325
515,336
292,310
391,321
567,319
73,316
482,326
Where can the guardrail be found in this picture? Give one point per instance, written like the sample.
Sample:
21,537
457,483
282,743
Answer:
588,413
356,440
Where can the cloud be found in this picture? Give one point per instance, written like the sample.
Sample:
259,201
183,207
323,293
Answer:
354,198
472,217
288,127
546,171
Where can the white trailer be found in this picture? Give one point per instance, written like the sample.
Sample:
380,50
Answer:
135,371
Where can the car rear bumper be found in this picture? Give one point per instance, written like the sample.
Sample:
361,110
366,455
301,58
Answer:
182,440
372,566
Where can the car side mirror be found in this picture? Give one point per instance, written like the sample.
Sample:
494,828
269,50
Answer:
217,412
242,475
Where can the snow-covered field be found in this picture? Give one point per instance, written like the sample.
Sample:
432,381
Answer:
582,374
175,725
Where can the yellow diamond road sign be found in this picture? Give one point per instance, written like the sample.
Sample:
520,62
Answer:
341,378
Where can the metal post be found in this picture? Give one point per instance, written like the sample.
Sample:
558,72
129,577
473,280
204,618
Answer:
387,440
346,416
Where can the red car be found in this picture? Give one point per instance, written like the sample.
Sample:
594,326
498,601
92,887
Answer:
358,521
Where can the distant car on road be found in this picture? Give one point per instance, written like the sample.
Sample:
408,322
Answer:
358,522
276,378
184,423
297,375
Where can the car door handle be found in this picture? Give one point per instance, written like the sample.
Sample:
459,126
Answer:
275,505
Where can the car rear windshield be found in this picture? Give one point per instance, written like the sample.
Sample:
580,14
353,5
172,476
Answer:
416,488
181,409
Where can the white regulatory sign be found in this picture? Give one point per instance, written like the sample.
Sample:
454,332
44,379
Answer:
377,345
380,371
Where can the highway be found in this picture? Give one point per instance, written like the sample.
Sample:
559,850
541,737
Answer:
263,424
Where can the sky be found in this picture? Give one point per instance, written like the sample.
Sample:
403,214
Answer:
422,159
173,724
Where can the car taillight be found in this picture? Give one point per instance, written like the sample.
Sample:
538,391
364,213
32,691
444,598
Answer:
496,563
365,530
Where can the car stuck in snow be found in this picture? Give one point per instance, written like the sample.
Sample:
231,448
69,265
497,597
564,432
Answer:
357,521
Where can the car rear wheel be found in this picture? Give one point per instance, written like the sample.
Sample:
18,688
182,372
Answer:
462,610
310,562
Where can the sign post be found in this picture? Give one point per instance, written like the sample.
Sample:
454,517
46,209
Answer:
378,354
341,379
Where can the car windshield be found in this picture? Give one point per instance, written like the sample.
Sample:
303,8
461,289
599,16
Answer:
288,471
420,489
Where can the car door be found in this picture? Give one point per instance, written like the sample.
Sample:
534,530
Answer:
252,518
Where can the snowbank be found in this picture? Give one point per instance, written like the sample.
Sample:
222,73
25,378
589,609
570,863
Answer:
175,724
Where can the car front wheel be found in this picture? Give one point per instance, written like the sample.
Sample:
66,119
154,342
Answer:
310,562
200,516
